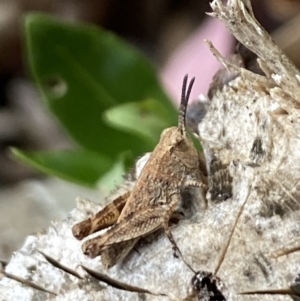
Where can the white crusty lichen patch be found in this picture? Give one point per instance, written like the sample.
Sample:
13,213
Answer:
252,127
250,240
43,279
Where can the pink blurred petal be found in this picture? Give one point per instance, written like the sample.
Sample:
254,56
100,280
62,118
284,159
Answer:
195,59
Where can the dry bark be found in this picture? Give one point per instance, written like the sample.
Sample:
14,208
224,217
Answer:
249,234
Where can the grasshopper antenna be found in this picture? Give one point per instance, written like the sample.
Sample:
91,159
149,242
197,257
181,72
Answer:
185,95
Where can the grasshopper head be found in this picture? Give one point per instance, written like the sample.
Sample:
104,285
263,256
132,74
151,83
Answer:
175,138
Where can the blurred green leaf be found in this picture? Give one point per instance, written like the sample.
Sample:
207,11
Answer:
79,166
83,71
103,91
138,118
115,175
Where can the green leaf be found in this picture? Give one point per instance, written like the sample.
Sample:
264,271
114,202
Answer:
79,166
83,71
138,118
115,175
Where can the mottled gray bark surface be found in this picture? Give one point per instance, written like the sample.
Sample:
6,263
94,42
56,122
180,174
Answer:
249,234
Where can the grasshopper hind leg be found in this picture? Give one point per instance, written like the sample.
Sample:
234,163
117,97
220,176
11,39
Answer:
117,253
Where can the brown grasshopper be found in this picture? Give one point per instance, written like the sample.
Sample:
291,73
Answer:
172,166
